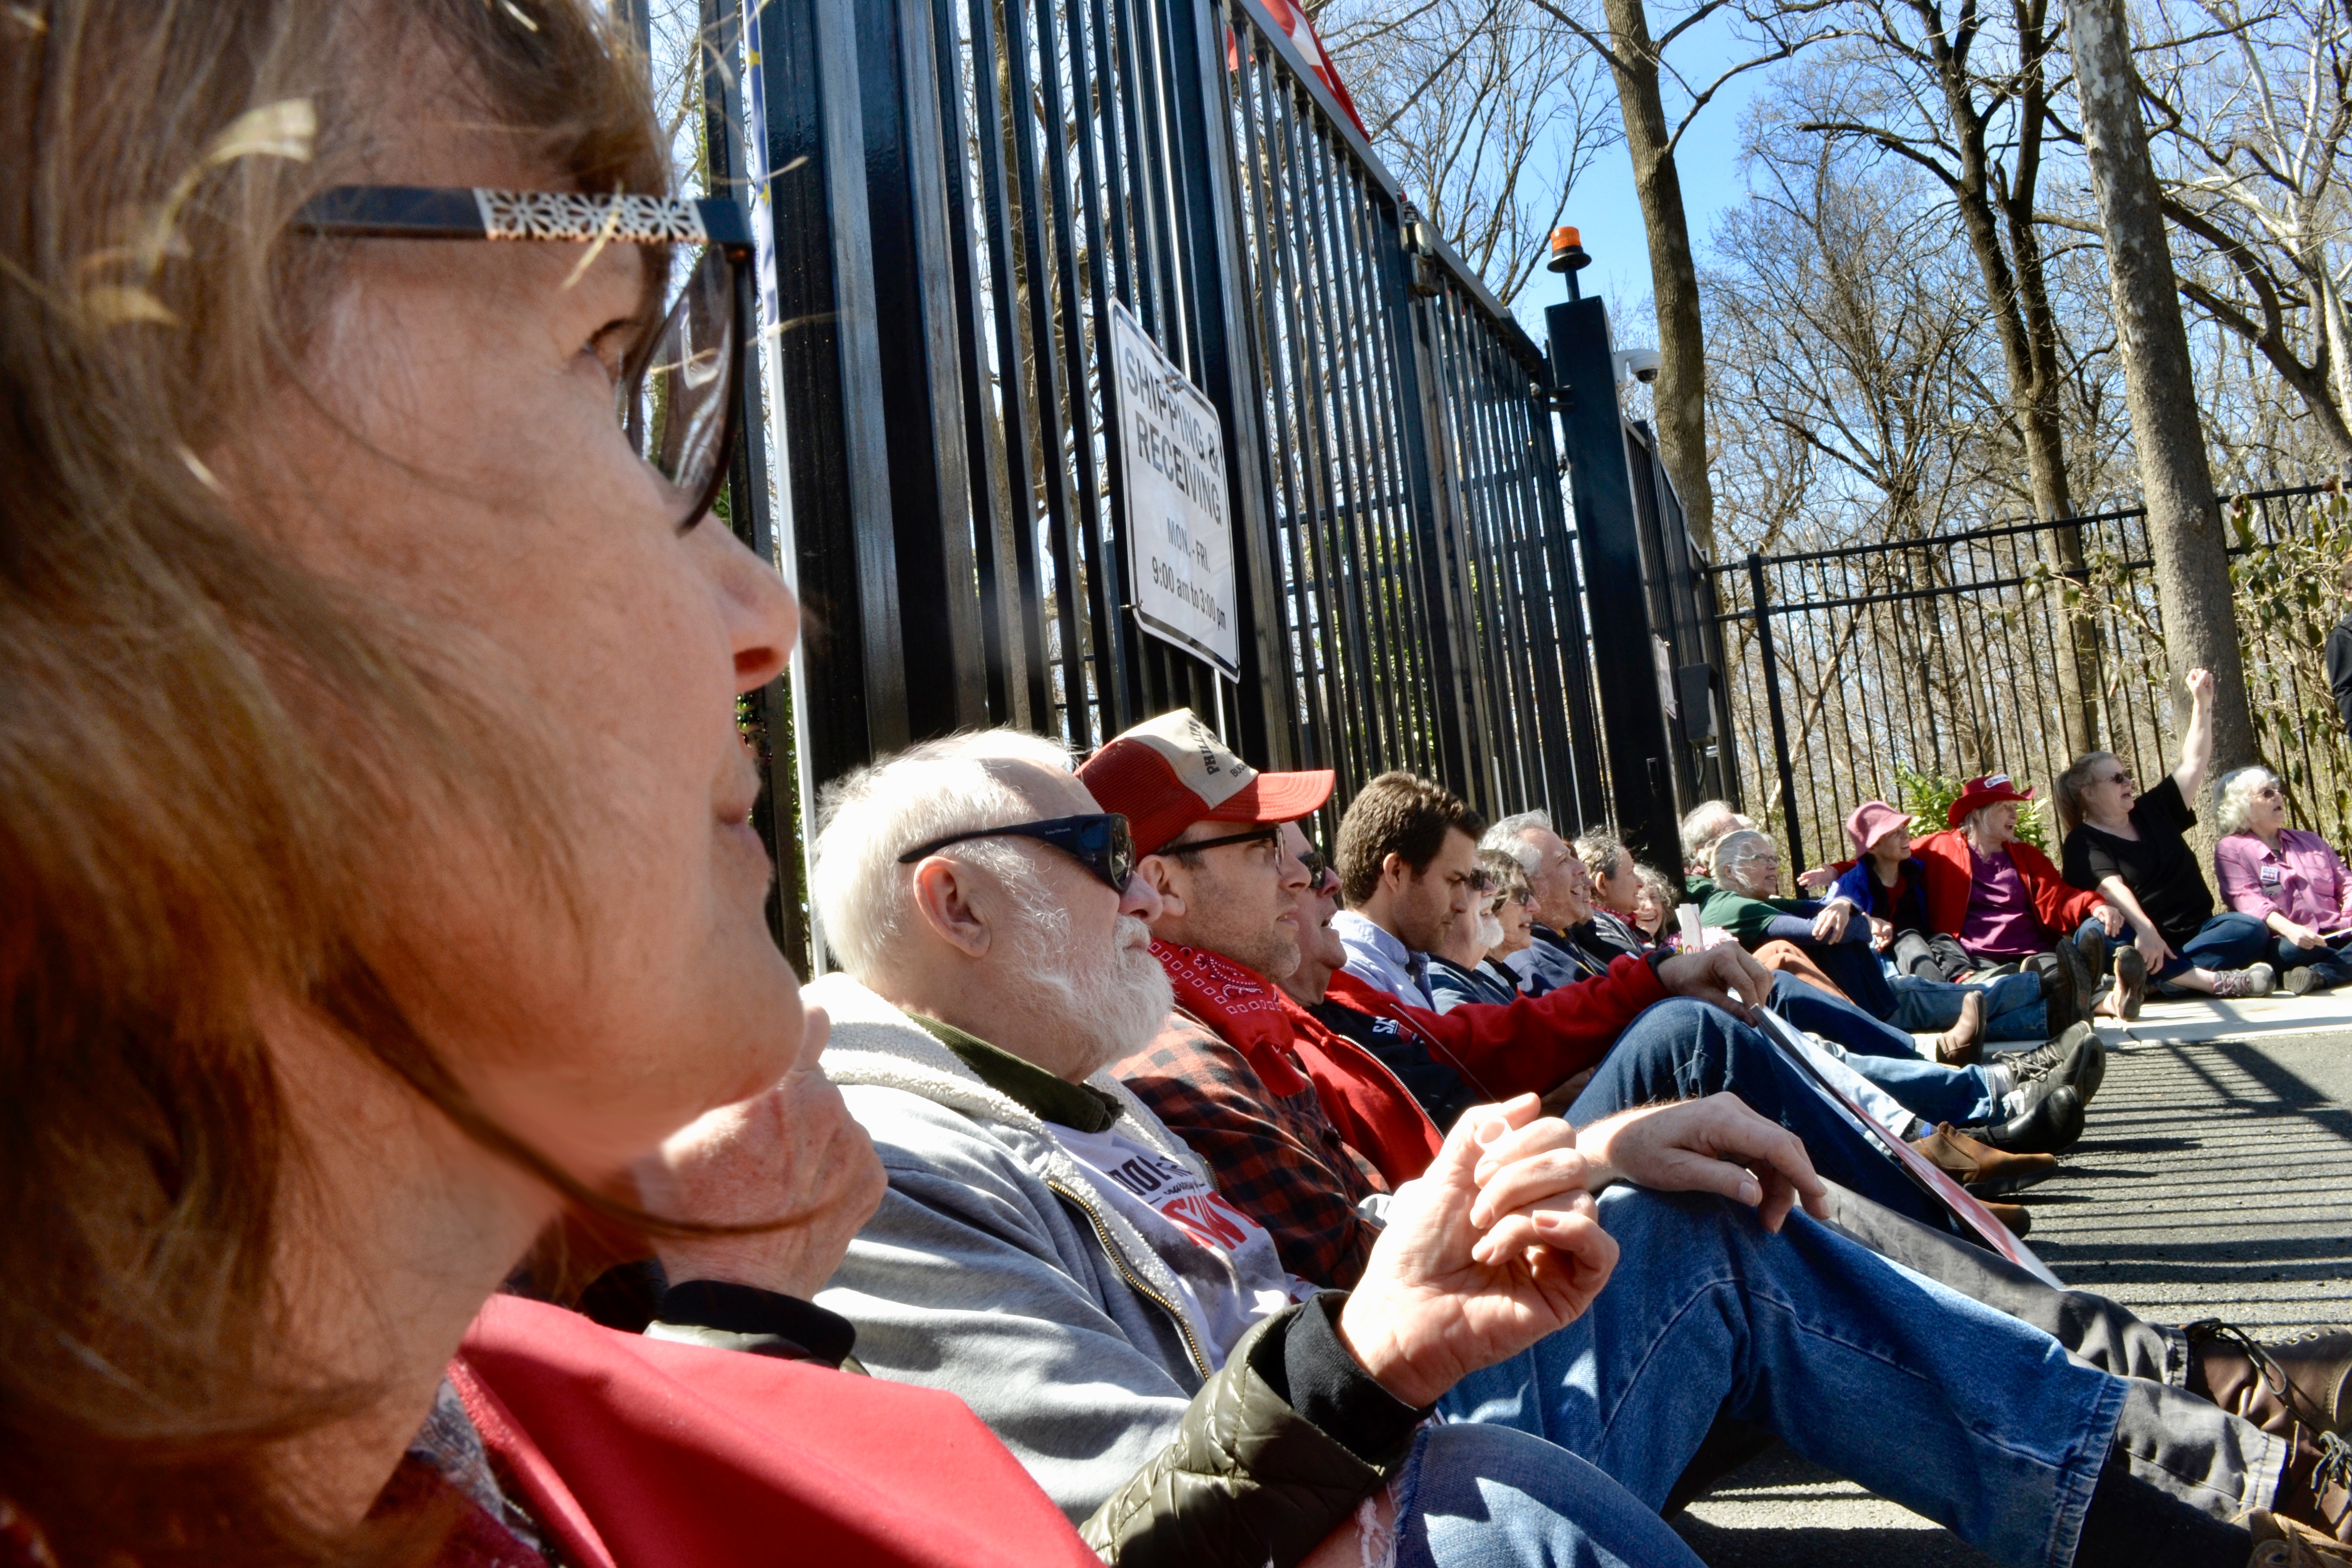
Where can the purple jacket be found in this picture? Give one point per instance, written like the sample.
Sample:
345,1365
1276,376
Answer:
2306,880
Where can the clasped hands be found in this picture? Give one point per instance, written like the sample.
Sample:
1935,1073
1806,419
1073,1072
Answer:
1499,1242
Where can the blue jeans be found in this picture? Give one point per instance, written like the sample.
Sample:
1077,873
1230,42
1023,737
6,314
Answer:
1487,1496
2013,1007
1942,1405
1817,1012
1681,1049
1930,1091
1854,968
2225,941
2335,968
1886,1056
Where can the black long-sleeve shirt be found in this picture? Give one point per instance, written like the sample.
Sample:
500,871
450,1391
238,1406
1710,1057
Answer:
2340,668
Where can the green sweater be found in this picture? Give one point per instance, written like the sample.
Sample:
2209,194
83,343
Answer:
1747,918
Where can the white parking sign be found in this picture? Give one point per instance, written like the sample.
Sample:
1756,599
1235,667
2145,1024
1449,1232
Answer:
1180,540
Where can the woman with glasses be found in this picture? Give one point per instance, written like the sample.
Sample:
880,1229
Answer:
2130,850
1514,909
2291,880
1458,969
377,841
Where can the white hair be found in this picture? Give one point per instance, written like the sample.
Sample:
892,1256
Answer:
2235,794
1707,822
1731,854
869,818
1508,836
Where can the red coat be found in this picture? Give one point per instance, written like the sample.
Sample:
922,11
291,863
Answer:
1529,1045
1369,1104
632,1451
1949,871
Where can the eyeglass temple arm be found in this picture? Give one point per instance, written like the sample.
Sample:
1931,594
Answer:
451,211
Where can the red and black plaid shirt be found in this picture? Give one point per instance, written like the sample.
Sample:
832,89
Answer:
1274,1153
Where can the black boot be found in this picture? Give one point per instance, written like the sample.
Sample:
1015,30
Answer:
2051,1123
2077,1057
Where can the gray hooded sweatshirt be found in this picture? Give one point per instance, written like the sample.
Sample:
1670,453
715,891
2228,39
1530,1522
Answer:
997,1270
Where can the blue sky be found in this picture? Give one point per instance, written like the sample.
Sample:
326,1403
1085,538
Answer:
1603,206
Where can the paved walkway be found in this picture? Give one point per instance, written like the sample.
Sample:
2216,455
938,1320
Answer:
2215,1181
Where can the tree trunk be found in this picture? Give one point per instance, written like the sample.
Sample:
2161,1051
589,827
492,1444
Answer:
2078,657
1680,392
2192,569
2017,288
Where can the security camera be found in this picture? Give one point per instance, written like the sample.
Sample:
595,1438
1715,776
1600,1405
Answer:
1636,364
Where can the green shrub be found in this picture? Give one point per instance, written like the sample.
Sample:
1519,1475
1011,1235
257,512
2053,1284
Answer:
1929,796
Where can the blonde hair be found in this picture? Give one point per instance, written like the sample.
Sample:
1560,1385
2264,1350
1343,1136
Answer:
210,757
2067,793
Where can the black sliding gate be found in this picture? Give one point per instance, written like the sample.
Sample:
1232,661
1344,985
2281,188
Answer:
960,192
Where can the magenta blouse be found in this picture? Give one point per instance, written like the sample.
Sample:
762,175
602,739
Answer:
2305,880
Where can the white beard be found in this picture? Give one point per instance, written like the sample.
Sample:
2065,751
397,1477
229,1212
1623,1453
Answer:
1490,931
1117,995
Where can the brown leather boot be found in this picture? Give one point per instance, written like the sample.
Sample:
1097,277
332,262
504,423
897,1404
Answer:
1985,1170
2305,1380
2014,1217
1957,1047
2316,1489
2284,1544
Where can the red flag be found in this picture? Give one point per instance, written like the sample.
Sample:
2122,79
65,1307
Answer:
1291,22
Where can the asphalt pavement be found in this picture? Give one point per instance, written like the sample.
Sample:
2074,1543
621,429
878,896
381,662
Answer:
2215,1180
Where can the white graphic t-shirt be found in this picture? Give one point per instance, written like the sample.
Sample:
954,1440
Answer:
1224,1260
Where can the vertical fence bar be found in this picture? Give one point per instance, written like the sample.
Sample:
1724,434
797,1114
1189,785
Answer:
767,710
1762,607
830,376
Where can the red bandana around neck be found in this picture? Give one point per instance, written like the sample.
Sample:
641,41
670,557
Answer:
1241,1005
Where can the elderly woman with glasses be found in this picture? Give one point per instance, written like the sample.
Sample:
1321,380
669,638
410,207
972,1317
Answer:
2291,880
2130,850
1742,895
1465,967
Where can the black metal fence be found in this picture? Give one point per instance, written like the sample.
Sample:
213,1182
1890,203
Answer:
962,193
2011,649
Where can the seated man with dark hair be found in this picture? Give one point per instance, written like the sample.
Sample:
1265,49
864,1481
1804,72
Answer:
1049,1253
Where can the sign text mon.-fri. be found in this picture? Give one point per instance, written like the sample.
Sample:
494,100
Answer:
1179,541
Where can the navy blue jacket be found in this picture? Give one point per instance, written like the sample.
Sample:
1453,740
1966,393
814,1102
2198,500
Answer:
1871,897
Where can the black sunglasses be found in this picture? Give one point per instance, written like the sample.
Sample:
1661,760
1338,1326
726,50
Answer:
1100,842
1255,835
677,398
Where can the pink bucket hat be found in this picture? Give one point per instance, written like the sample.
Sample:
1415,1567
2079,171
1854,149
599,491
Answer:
1870,822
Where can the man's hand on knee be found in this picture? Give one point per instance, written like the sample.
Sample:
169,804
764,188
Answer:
1714,976
1711,1145
1491,1248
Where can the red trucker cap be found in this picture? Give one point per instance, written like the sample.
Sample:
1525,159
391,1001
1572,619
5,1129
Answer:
1169,772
